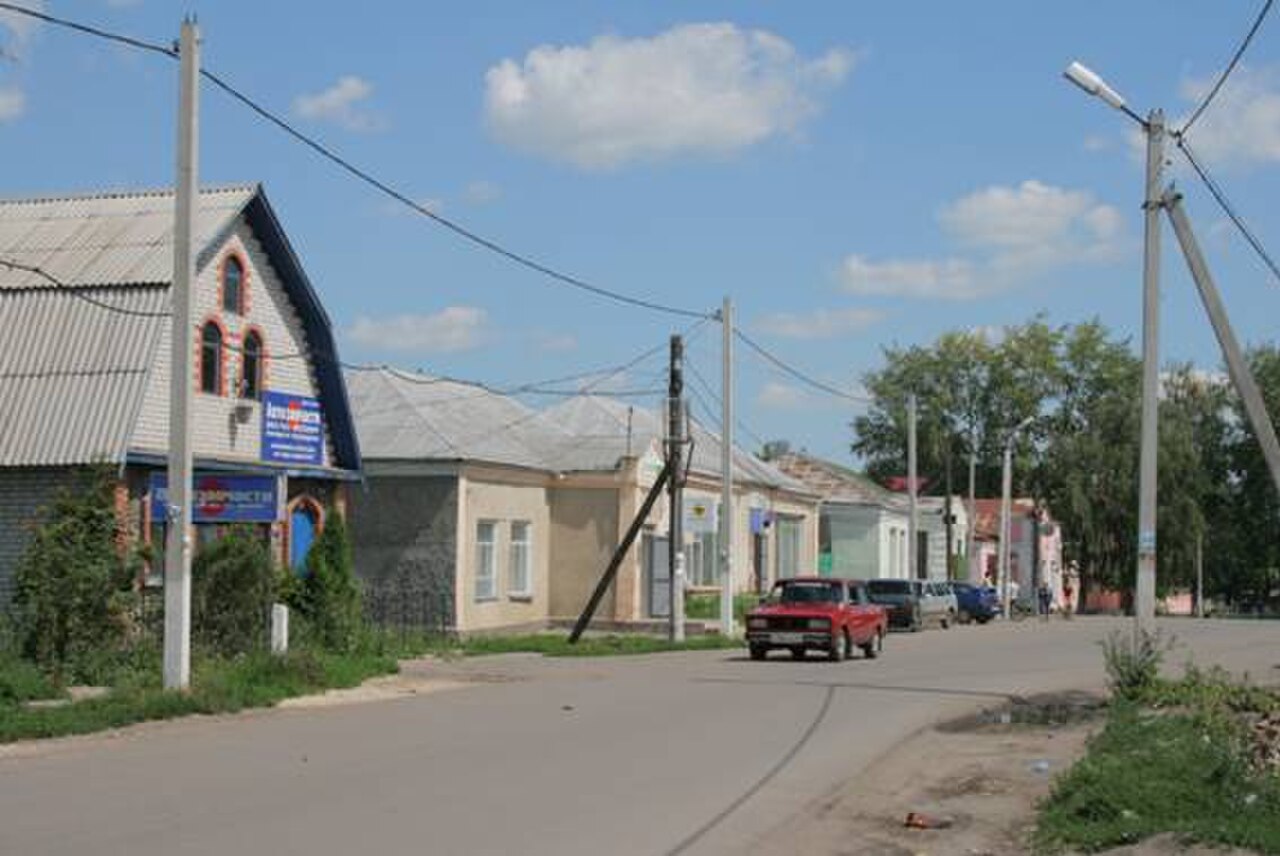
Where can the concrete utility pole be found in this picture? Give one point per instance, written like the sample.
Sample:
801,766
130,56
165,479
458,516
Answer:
913,560
726,465
1200,575
177,554
975,576
1006,488
675,492
1145,592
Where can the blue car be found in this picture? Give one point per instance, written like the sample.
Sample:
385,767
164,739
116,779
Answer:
976,603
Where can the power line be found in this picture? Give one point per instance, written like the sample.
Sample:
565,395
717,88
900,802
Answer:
1226,72
78,292
796,373
365,176
718,400
1221,198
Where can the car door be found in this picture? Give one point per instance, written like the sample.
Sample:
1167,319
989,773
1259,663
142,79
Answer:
862,615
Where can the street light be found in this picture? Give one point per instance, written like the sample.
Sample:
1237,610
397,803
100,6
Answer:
1006,488
1153,126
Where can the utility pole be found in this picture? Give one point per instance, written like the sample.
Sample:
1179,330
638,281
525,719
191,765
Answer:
726,466
1199,575
177,565
1006,489
974,577
913,561
675,498
948,518
1145,593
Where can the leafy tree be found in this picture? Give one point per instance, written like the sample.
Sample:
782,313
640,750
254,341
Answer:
232,588
329,596
1255,505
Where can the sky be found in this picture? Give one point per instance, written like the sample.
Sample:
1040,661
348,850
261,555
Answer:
853,175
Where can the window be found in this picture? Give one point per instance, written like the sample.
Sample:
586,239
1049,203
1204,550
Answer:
788,547
211,359
251,366
704,560
486,579
518,583
233,285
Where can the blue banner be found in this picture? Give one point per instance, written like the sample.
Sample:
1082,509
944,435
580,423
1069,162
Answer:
292,429
221,498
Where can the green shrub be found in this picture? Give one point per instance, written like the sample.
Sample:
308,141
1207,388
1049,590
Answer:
232,588
328,597
65,605
1133,661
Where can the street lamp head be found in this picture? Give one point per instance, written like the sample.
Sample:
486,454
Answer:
1090,82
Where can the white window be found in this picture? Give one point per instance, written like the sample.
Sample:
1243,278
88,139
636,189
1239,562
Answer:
704,560
486,577
518,578
788,547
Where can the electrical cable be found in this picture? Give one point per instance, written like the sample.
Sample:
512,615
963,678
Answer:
1226,72
364,175
78,293
699,379
796,373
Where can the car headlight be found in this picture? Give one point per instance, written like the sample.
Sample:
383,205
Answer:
757,623
819,623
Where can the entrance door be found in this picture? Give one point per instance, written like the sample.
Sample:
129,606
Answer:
657,571
922,555
758,563
302,532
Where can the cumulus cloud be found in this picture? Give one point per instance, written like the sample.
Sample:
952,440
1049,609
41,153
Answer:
481,192
704,88
781,396
454,328
12,103
20,26
1242,127
819,324
1096,143
341,105
1011,233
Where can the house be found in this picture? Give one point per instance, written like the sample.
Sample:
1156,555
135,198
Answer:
85,368
485,514
1035,547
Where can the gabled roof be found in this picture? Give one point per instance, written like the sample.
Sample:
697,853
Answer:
73,373
836,483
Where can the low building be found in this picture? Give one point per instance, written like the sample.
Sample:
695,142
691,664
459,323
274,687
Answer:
1035,548
85,368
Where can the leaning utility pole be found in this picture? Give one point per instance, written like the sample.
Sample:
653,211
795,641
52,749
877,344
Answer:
177,554
675,497
726,466
913,570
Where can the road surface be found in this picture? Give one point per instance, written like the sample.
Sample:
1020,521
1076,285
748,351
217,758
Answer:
692,753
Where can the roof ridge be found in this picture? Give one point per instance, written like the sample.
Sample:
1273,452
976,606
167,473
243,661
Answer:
124,193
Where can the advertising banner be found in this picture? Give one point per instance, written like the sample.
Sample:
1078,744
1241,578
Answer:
292,429
222,498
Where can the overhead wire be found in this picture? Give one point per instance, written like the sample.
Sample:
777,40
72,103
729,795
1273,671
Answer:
1226,72
779,363
364,175
78,292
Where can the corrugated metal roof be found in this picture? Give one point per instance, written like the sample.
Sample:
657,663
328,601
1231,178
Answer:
835,483
106,239
72,373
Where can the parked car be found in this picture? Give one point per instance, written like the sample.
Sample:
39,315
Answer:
976,603
912,604
822,613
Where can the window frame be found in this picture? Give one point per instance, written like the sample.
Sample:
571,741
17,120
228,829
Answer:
219,361
523,547
260,375
485,550
242,286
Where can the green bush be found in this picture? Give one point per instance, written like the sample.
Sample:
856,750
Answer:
1132,660
328,597
65,605
232,588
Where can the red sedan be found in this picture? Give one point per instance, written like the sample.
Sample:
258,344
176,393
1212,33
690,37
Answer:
822,613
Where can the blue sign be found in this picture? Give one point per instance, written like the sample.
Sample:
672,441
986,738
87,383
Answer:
292,429
221,498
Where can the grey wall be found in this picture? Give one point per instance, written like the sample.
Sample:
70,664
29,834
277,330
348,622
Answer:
852,536
22,494
404,539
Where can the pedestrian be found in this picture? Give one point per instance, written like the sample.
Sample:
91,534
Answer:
1045,596
1068,599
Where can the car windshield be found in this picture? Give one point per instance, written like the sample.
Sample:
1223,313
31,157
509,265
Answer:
804,593
889,587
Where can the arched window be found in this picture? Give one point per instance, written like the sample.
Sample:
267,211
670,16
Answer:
211,358
233,285
251,366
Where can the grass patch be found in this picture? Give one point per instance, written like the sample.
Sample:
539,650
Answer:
1176,759
705,606
557,645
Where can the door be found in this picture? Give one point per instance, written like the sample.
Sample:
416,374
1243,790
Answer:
303,524
758,563
922,555
657,571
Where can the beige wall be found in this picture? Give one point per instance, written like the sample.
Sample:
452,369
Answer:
584,535
502,499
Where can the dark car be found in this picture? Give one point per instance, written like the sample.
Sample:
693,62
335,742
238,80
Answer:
976,603
901,598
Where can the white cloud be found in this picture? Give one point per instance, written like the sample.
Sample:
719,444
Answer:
1012,234
819,324
12,103
781,396
481,192
341,105
19,25
696,88
1096,143
454,328
1242,125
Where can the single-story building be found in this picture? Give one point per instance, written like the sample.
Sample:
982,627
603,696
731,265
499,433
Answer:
1035,547
85,367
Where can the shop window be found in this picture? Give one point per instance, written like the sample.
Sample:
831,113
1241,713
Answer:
251,358
233,285
211,358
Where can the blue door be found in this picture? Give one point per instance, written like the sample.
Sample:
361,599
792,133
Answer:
302,532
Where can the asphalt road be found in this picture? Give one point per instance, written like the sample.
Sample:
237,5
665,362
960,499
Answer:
697,753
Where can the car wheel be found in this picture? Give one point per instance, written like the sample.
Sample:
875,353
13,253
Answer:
873,648
797,653
945,621
758,652
984,619
917,621
964,617
839,647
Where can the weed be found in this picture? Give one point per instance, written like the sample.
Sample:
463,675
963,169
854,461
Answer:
1133,660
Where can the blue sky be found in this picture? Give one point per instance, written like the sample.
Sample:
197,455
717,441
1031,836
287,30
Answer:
853,175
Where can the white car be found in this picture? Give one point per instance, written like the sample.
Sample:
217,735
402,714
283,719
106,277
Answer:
938,602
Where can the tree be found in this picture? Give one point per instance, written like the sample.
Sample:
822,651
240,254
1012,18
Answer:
329,596
1255,505
232,588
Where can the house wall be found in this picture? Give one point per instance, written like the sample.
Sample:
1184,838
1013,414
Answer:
853,534
584,534
405,542
515,498
216,431
23,494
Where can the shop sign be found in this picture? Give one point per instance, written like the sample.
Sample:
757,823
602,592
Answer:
222,498
292,429
699,516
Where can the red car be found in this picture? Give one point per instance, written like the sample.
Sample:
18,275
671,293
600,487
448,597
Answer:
831,615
